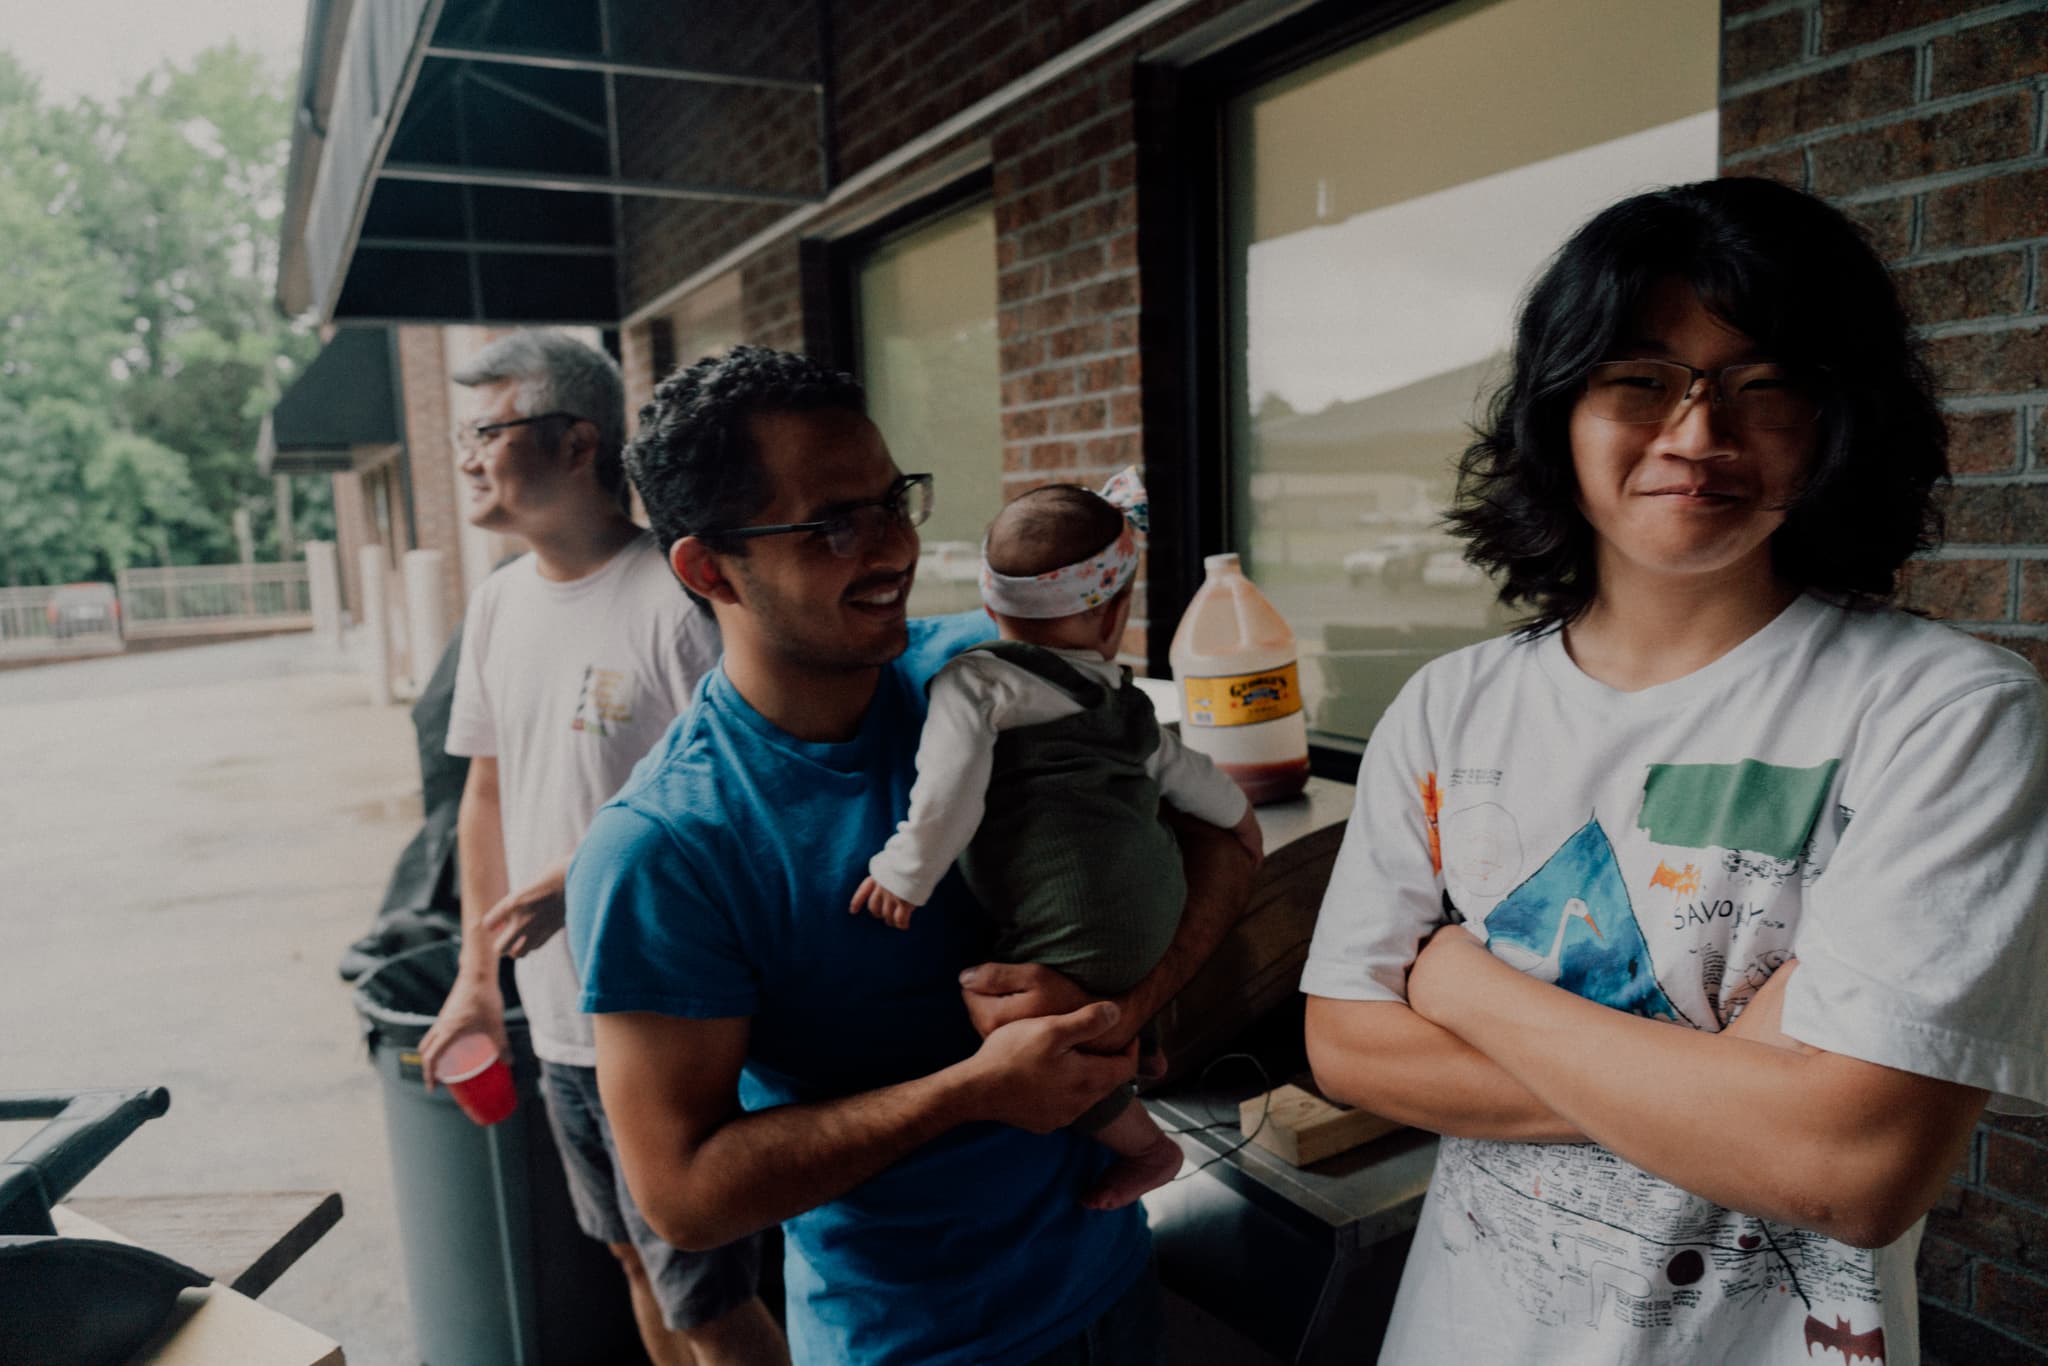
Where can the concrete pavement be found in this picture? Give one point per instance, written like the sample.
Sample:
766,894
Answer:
187,841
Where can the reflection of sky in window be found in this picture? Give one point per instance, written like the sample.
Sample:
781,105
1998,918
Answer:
1398,294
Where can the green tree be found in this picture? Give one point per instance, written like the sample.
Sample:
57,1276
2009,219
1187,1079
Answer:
138,243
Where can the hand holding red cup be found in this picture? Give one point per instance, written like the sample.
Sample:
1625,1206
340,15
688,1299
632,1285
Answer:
478,1079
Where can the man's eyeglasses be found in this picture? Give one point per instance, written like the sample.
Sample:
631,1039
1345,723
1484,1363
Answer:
848,531
475,437
1761,396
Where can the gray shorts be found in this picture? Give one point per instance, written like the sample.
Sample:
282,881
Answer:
692,1288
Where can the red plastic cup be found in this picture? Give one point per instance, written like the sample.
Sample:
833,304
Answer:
478,1079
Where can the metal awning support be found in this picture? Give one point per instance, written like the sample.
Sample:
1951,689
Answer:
443,141
611,66
588,184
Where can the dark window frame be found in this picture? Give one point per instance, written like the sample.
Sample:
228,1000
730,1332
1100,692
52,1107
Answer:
1182,278
828,263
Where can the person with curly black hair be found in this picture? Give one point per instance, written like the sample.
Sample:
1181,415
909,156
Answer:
763,1055
1702,915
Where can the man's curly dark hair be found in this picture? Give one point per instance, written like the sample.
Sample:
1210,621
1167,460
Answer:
694,459
1798,278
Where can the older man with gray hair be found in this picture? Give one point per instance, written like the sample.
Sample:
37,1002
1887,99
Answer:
575,658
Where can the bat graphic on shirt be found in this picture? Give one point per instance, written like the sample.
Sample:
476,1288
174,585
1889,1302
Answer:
1852,1346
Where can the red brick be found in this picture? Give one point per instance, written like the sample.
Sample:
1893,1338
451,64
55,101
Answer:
1967,287
2033,1126
1991,362
1022,355
1983,443
1845,23
1754,49
1997,514
1944,1270
1126,409
1053,455
1039,386
1888,223
1111,453
1981,212
1016,457
2034,604
1078,341
1986,131
1123,251
2016,1166
1957,590
1120,173
1123,333
1021,424
1842,94
1787,167
2012,49
2041,434
1085,183
1082,263
1112,372
1111,296
1021,283
1040,315
1085,416
2033,649
2012,1300
1991,1226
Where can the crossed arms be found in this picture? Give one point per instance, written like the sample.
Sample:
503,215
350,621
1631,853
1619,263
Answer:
704,1173
1747,1118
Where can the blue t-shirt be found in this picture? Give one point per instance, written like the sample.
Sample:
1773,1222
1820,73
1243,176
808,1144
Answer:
716,884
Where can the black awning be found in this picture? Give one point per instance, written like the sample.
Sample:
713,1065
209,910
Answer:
465,163
348,397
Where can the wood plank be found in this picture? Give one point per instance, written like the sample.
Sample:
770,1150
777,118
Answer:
217,1325
1300,1127
244,1240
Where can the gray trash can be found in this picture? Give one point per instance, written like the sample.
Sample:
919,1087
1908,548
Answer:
497,1272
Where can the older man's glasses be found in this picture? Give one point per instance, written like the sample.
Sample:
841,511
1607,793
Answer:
853,528
1763,396
475,436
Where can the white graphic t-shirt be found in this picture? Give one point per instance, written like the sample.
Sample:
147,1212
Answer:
568,685
1860,789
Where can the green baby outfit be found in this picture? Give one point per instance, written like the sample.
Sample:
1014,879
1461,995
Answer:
1070,859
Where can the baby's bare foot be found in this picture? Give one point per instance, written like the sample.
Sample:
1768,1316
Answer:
1131,1177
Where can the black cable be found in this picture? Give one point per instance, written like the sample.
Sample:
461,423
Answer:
1264,1113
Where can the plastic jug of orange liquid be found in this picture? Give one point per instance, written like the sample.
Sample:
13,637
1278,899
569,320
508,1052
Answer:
1235,661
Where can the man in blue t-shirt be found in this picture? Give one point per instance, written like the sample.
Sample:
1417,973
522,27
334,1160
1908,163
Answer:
763,1055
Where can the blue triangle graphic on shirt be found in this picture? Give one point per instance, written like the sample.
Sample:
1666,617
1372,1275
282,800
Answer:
1572,923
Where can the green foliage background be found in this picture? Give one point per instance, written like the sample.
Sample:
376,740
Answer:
139,347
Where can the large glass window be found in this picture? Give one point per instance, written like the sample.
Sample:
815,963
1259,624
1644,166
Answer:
925,328
1386,207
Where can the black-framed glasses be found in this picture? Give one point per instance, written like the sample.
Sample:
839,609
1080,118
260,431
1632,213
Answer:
1763,396
847,531
475,437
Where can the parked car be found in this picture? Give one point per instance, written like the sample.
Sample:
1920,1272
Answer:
1395,561
83,609
1449,569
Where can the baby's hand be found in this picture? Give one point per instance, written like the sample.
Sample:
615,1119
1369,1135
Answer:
881,903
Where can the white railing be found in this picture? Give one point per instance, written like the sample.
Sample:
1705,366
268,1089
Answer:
32,621
211,598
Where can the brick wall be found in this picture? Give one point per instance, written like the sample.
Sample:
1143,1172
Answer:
1924,119
1064,165
436,514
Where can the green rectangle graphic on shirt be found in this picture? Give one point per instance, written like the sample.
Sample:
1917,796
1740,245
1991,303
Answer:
1759,808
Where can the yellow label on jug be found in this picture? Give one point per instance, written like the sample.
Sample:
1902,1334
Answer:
1241,699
